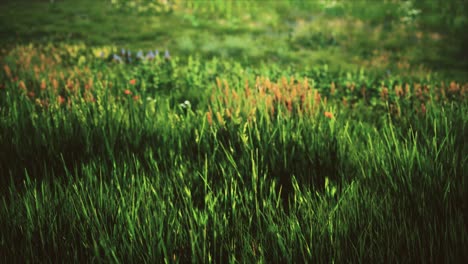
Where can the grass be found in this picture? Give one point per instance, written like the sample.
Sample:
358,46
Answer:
239,152
341,35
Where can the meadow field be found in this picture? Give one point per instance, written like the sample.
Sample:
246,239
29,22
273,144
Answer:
233,131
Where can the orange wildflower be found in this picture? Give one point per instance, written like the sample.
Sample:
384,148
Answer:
209,117
228,113
398,90
220,118
289,105
43,85
136,98
127,92
132,81
31,94
55,84
384,93
7,70
329,115
21,85
317,97
60,99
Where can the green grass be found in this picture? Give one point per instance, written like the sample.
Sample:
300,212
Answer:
342,35
311,134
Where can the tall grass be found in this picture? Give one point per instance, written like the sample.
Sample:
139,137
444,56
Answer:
303,168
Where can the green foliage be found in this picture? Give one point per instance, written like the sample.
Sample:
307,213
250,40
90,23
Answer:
279,131
108,162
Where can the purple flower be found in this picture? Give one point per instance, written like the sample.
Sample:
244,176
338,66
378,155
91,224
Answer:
117,58
167,55
139,55
150,55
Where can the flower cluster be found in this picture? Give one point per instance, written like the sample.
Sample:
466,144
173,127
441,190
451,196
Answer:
125,56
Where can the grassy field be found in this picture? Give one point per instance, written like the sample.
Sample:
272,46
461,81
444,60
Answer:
233,131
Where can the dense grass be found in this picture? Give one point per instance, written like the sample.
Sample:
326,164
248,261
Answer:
257,173
399,36
241,151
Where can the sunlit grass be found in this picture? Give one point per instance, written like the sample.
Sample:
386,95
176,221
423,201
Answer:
233,131
171,159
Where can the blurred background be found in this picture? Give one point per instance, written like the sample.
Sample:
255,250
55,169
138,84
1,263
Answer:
381,35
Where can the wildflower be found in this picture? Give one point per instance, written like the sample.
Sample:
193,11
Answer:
418,91
136,98
454,87
150,55
55,84
122,52
289,105
220,118
398,90
43,84
117,58
407,88
384,93
363,92
22,86
7,70
60,100
329,115
228,113
31,94
89,97
70,84
186,104
129,56
423,109
127,92
167,56
317,97
139,55
209,117
156,53
132,81
89,84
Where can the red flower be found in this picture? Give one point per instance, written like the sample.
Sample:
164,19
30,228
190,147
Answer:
329,115
22,86
132,81
127,92
43,85
60,99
